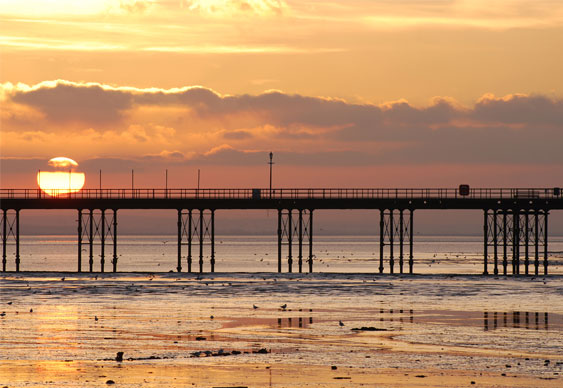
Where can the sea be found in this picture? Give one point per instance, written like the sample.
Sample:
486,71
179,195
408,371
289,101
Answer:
432,254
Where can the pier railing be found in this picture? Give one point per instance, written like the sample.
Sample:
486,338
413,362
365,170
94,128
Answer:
286,193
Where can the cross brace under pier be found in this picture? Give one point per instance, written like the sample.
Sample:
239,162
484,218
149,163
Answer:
198,225
96,227
395,225
295,223
518,234
10,230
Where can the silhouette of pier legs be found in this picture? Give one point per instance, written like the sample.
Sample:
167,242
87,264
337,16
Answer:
10,229
393,226
96,225
196,224
517,228
290,227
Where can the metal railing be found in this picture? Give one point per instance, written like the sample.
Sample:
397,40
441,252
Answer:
312,193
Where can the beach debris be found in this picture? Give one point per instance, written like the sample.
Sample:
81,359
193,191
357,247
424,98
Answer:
342,378
340,323
222,352
283,306
3,314
10,303
254,306
30,310
119,357
368,328
62,279
420,376
110,382
96,318
334,367
211,317
200,338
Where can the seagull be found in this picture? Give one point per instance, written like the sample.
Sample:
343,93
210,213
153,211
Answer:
340,323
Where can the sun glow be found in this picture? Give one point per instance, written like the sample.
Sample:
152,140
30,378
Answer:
63,181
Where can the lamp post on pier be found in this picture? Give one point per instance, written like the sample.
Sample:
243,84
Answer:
271,162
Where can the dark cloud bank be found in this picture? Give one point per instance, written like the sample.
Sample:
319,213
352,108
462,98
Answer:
514,129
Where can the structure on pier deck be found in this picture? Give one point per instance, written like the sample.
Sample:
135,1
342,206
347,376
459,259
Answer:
515,222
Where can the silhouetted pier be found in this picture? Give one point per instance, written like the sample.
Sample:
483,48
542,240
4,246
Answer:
515,221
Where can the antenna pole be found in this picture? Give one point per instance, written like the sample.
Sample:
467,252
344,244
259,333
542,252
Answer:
271,162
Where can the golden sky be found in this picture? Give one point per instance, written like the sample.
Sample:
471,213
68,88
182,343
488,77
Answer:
419,92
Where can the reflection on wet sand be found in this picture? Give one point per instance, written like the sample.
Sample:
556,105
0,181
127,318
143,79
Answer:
520,320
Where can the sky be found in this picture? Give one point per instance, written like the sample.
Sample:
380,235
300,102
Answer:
345,93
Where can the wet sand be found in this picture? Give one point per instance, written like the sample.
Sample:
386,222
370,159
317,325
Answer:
182,330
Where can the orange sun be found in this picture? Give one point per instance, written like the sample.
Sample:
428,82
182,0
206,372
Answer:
63,180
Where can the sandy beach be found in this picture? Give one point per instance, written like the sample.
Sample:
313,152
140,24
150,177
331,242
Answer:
230,330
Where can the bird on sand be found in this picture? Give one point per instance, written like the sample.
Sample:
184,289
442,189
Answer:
340,323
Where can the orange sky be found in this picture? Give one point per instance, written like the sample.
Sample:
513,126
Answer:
345,93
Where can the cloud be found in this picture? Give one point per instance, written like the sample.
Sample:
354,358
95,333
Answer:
66,101
193,120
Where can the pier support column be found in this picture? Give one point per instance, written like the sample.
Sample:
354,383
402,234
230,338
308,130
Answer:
199,225
310,240
179,225
279,240
485,240
10,232
79,240
186,228
392,226
201,234
114,260
97,226
290,227
300,241
504,243
212,260
289,240
103,241
4,238
495,241
526,242
91,240
18,241
391,241
545,252
411,243
536,242
516,242
381,238
401,228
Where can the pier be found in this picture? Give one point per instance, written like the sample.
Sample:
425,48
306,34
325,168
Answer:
515,221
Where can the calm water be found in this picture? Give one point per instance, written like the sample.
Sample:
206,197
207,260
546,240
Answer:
433,254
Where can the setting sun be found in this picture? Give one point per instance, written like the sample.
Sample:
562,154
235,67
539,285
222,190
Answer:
63,181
